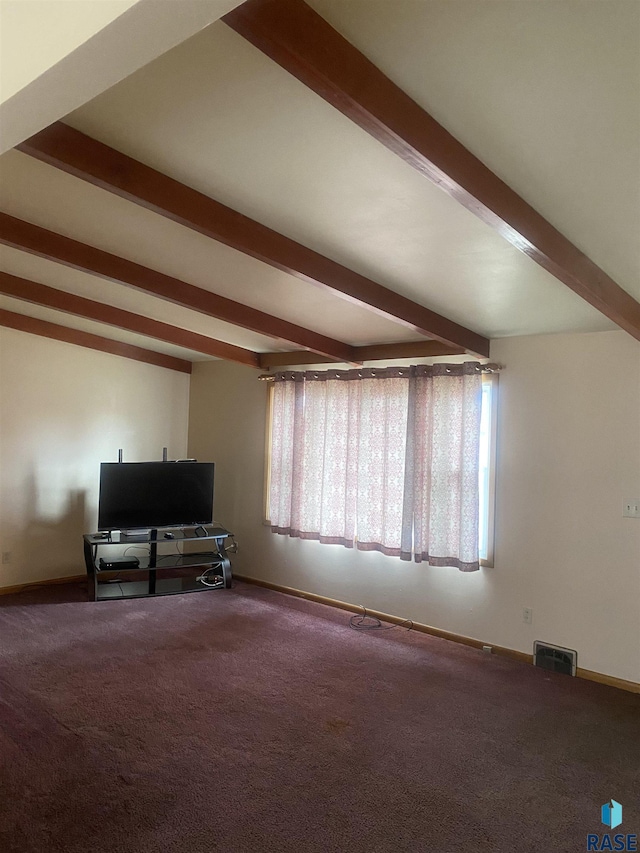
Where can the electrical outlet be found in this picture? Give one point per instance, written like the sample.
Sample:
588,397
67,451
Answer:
527,615
6,557
631,508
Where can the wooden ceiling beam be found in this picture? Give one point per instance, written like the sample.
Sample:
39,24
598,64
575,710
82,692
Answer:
55,247
295,36
44,329
378,352
69,303
408,349
73,152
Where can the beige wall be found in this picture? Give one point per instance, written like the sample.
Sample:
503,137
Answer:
569,455
56,55
63,410
35,34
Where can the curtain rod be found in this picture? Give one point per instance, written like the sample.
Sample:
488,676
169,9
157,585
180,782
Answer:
482,368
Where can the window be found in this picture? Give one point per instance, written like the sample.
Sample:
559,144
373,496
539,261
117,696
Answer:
391,459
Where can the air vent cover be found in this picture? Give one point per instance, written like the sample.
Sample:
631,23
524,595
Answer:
555,658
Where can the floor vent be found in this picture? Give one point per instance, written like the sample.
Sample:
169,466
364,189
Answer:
555,658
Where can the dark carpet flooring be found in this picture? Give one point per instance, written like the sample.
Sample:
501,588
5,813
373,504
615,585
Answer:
245,720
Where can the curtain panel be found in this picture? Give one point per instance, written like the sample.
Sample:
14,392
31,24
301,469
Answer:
380,459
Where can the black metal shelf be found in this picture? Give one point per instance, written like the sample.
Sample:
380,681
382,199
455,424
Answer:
125,584
140,589
177,534
170,561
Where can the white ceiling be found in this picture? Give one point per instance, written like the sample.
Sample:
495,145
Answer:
52,199
545,93
19,307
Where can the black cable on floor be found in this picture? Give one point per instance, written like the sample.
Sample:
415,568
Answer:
363,622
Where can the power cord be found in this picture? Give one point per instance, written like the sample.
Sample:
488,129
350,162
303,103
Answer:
116,580
218,580
147,551
363,622
230,549
233,548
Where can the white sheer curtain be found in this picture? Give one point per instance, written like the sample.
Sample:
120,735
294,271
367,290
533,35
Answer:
383,459
443,457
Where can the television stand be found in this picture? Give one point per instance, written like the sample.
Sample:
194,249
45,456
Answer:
165,569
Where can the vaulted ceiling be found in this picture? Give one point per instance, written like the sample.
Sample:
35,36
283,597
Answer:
267,186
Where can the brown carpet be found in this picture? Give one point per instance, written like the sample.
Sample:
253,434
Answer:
245,720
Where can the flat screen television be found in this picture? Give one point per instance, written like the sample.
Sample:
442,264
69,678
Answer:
135,495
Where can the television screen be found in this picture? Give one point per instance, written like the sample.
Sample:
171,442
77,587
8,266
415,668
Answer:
154,494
